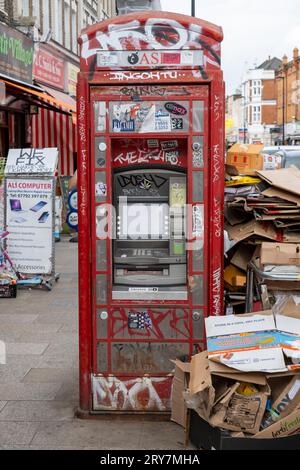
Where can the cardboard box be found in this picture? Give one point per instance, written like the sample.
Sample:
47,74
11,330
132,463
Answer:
234,277
238,412
284,427
280,254
204,436
248,342
179,386
285,399
246,158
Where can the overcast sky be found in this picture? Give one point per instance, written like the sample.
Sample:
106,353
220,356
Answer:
253,30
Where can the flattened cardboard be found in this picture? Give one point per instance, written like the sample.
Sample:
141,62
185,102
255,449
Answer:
234,324
242,257
284,427
179,385
243,231
287,179
285,399
280,254
249,343
239,412
200,377
201,393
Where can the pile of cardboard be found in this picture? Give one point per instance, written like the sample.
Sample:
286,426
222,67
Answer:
247,383
262,234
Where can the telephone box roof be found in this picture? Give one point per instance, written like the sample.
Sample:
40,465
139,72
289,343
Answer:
137,20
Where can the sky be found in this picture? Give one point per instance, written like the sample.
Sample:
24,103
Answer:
253,30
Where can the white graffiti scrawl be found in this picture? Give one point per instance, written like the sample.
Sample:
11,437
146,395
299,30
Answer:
153,33
113,393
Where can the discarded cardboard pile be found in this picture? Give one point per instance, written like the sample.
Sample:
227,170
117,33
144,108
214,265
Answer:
262,238
248,381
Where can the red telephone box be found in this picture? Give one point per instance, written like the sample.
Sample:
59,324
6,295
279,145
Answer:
150,187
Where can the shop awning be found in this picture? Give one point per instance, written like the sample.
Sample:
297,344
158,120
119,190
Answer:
42,98
65,100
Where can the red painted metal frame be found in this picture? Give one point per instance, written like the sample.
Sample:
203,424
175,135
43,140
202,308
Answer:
214,157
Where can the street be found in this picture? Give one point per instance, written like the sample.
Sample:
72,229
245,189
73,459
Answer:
39,383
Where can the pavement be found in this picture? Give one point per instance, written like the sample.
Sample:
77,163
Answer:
39,382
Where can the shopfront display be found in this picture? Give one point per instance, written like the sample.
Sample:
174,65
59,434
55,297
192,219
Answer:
150,201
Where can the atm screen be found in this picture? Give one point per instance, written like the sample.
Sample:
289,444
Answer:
143,221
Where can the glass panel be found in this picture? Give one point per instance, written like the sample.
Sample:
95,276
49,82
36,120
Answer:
101,221
198,324
198,116
102,357
149,323
101,186
198,152
198,255
101,289
102,324
149,116
198,189
100,116
197,289
146,357
101,255
100,152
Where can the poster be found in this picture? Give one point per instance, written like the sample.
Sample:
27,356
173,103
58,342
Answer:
149,116
29,221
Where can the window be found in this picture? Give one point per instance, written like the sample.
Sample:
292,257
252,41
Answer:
25,8
36,10
46,15
58,20
256,87
256,114
67,26
74,31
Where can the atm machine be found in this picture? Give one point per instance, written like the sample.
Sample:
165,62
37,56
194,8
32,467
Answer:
149,253
150,118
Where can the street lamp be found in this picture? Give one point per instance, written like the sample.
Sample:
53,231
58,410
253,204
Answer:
283,107
193,8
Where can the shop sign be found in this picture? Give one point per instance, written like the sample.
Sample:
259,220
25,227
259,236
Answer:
72,78
185,58
32,161
49,69
16,54
29,220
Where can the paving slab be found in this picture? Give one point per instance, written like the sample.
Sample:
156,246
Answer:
17,318
10,373
20,391
26,348
42,375
57,361
29,411
2,405
171,436
100,434
16,433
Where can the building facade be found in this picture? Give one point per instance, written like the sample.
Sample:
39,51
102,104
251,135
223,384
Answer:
288,98
48,30
234,118
259,93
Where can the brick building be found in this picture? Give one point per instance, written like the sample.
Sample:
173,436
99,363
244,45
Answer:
288,98
259,93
